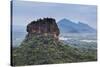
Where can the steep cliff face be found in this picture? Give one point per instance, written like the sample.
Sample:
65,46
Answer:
46,26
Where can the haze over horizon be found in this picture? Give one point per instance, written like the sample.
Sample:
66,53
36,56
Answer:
24,12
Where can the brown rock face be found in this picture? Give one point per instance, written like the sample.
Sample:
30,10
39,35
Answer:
46,26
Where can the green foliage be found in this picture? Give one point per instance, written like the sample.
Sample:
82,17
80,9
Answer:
46,50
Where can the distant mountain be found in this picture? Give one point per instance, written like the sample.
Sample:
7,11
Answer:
67,26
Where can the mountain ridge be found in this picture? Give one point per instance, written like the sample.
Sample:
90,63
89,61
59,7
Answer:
68,26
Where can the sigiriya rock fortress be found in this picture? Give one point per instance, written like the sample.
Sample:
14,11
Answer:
45,26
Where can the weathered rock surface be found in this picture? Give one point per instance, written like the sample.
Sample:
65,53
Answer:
45,26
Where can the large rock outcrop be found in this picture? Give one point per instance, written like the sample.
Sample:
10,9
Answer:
45,26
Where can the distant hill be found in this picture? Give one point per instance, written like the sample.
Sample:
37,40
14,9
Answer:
67,26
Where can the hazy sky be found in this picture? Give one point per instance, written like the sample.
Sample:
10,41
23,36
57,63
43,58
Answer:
24,12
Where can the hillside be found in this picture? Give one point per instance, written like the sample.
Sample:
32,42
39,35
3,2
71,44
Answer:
45,50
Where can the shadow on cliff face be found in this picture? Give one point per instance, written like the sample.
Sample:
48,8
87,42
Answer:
41,46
